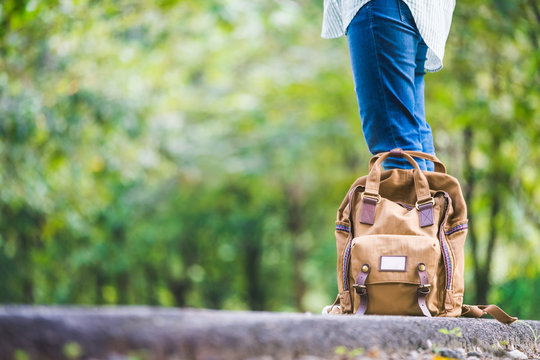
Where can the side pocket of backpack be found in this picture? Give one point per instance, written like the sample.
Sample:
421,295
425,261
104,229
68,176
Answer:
455,237
342,242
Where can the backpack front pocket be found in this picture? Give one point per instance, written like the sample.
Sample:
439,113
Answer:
385,271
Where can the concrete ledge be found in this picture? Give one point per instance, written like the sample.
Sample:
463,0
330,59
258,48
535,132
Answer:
158,333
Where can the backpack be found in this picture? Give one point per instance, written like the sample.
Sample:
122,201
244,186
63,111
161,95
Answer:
400,237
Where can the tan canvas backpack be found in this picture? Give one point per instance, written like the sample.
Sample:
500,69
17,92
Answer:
400,238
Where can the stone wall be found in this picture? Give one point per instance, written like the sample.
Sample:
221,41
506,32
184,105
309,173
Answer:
42,333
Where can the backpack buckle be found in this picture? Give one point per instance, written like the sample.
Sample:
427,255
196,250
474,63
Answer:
376,197
360,289
424,289
430,200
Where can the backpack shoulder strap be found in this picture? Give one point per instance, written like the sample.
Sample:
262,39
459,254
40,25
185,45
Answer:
476,311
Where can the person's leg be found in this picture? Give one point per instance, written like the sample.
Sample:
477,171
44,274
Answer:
419,106
383,42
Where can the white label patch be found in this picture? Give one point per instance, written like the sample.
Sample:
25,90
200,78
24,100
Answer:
393,263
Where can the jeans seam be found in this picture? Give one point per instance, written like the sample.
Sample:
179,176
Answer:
399,10
380,75
409,19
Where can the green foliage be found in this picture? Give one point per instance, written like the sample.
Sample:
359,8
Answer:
194,153
20,355
72,350
534,333
453,332
345,353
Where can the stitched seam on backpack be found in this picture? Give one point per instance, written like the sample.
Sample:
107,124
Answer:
348,250
448,266
444,249
346,265
340,227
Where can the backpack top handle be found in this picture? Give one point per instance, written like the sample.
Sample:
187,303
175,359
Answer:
439,166
371,196
421,184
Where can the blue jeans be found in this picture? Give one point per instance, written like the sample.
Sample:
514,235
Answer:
387,56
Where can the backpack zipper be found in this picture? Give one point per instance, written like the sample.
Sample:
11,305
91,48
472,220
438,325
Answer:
444,248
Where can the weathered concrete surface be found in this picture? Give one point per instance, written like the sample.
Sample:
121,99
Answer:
158,333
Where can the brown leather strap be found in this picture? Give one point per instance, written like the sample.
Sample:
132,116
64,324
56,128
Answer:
439,166
361,289
423,289
425,211
476,311
367,212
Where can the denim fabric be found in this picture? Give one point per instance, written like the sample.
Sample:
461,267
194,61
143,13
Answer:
387,57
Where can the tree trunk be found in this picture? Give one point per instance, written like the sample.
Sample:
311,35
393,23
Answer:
470,180
295,227
27,283
252,266
481,265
